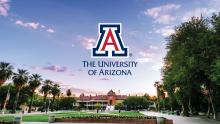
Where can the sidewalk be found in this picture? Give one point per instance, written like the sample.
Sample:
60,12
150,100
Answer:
57,123
183,120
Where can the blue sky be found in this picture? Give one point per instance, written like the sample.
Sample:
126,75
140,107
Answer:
53,37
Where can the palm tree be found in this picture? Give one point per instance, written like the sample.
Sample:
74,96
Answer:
55,91
34,83
45,89
68,92
20,79
5,72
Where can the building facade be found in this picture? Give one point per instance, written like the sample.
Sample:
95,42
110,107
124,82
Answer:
104,102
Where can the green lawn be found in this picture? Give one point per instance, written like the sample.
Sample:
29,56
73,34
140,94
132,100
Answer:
35,118
6,118
44,117
128,113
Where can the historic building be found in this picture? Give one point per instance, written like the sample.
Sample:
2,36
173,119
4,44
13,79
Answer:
103,101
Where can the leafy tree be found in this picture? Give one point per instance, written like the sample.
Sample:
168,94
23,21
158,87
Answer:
215,72
136,102
5,72
20,79
34,83
119,106
37,102
98,106
66,103
191,51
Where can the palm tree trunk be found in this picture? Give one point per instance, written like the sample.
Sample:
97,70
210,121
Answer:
16,101
52,106
212,103
209,109
31,103
45,104
158,100
185,109
190,106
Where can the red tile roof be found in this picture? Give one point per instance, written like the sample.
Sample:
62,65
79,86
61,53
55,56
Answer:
82,97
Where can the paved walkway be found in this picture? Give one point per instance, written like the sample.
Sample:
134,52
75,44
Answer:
183,120
58,123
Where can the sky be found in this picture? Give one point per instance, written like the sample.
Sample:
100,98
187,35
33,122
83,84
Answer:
53,37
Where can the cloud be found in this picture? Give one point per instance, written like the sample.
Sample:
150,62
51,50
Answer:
161,14
87,42
165,31
197,12
146,55
43,26
78,91
214,4
55,68
4,7
153,47
149,54
34,25
51,30
35,67
165,19
144,60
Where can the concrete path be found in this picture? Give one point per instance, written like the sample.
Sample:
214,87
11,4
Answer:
58,123
183,120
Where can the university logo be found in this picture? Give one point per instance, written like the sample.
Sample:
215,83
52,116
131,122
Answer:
110,44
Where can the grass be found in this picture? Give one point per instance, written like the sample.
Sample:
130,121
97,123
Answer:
6,118
35,118
128,113
44,117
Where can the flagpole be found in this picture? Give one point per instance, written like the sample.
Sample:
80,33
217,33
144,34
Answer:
6,99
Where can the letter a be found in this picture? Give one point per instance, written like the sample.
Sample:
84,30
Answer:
110,35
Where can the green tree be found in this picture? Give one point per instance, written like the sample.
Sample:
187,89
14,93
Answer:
20,79
136,102
67,103
119,106
215,72
191,51
5,72
34,83
98,106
